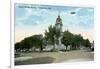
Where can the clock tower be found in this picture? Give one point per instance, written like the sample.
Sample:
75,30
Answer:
58,27
58,24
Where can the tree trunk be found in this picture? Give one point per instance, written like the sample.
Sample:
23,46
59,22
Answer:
41,48
66,48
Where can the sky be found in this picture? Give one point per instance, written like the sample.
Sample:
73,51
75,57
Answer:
31,19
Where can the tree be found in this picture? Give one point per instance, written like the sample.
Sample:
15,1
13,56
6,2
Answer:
77,41
38,41
87,43
72,39
17,46
29,42
50,35
67,38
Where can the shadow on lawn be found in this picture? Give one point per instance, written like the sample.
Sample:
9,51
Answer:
40,60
